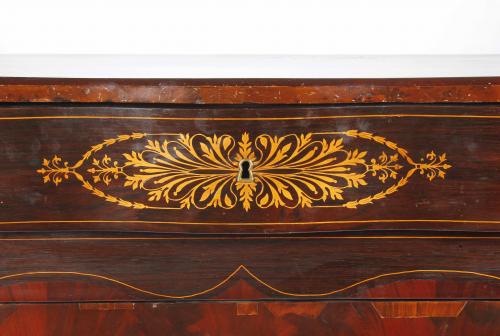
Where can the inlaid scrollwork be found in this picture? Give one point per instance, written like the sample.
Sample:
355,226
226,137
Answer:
183,171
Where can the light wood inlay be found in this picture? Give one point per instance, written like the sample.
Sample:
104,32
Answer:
419,309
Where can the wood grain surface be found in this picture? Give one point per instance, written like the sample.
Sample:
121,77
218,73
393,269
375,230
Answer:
462,198
254,91
246,268
478,318
367,207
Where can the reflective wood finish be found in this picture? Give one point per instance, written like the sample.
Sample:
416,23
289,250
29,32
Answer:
252,91
479,318
145,207
385,174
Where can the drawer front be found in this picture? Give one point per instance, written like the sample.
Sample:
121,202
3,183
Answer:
75,269
250,169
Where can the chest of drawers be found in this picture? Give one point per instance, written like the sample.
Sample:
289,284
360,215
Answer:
250,207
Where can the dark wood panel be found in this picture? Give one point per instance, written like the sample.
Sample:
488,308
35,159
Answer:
246,268
398,167
113,212
241,91
479,318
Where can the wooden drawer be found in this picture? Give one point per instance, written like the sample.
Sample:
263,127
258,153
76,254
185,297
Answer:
250,169
149,268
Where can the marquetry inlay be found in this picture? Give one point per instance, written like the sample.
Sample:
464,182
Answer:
258,280
182,171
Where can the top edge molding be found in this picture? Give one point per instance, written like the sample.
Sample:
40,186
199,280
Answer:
250,91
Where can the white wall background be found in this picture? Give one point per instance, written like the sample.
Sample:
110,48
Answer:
150,38
196,27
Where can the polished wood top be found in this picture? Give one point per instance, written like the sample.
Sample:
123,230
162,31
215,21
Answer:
251,91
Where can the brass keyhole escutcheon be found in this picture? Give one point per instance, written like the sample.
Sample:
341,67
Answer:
245,174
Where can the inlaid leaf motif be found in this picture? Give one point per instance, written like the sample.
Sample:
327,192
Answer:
199,171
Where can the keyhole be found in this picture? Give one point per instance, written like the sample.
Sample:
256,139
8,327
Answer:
245,174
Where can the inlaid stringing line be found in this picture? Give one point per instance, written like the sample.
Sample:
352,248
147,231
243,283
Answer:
251,274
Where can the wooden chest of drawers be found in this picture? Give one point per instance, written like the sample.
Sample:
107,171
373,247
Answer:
250,207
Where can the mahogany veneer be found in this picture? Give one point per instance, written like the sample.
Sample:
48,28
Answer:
250,207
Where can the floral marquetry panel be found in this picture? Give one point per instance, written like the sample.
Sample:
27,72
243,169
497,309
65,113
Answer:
180,171
255,169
